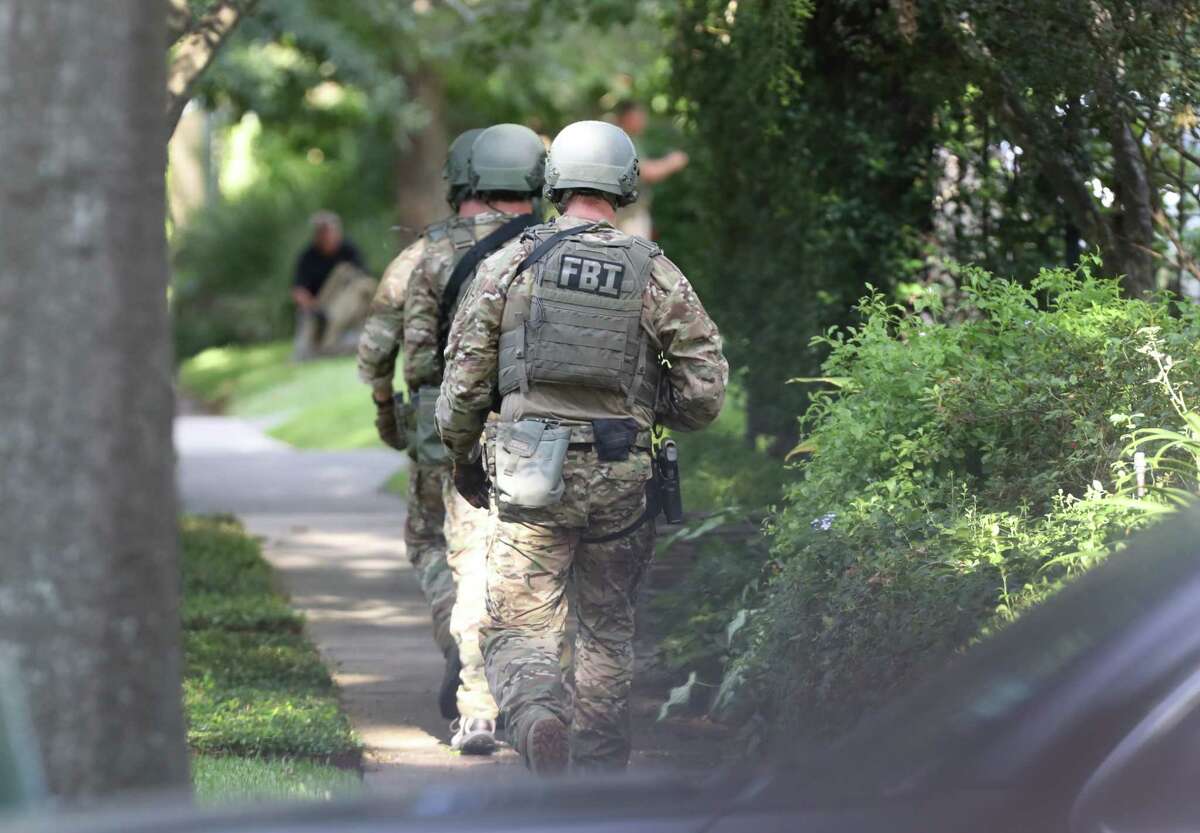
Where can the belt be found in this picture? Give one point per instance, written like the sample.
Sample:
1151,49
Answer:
582,437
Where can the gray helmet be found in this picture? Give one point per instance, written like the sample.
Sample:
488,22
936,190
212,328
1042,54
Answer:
594,155
507,157
455,171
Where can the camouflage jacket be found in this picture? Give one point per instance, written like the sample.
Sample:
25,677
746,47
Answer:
383,331
672,316
422,362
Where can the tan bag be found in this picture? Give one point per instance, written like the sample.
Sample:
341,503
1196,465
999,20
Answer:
530,455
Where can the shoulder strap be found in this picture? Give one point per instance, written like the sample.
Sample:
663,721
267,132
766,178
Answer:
462,236
550,242
435,231
467,264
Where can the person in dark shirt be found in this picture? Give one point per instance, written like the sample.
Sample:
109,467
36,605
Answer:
327,249
332,290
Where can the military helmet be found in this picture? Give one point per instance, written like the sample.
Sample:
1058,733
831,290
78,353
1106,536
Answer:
455,170
507,157
593,155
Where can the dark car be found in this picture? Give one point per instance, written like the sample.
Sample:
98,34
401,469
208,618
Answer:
1083,716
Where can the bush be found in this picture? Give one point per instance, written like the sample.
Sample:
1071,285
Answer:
232,265
953,476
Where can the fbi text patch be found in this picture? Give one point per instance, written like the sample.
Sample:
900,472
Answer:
586,274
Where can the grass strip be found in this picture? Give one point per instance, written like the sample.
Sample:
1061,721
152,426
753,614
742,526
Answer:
254,686
224,778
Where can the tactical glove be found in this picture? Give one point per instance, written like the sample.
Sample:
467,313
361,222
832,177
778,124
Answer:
472,482
385,423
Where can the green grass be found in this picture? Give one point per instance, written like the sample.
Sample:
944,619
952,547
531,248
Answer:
397,484
318,404
222,778
254,686
321,404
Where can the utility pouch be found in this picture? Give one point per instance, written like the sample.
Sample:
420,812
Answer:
428,444
405,419
614,438
529,463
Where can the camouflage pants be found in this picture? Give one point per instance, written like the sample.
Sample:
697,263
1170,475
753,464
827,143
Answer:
426,544
468,533
533,553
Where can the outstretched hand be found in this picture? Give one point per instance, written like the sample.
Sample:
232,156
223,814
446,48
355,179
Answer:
472,483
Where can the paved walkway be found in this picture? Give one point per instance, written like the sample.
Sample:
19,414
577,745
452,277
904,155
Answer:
337,543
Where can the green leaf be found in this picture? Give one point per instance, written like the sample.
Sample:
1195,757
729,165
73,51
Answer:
678,698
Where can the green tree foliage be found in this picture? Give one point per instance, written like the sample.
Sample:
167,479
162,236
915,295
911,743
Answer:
330,89
854,141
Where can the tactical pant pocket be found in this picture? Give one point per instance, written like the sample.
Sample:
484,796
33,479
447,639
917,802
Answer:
429,448
529,463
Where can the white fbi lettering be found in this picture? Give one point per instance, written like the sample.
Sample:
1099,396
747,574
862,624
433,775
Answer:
612,279
569,271
589,275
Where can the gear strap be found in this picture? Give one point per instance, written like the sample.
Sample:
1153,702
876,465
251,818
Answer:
466,266
550,242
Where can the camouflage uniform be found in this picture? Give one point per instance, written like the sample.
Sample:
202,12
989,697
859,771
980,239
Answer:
467,529
424,540
534,550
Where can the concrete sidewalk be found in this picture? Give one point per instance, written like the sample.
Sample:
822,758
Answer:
337,543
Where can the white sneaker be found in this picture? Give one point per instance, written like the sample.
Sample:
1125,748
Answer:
476,736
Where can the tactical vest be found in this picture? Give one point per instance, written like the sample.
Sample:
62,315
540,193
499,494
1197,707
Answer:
581,324
461,235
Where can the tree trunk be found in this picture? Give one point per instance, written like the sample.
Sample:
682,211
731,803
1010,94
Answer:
89,575
420,190
1136,233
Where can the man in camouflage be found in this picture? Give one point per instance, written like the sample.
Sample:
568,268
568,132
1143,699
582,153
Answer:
378,347
588,338
505,171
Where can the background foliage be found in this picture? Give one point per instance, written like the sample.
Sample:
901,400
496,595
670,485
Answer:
874,141
951,475
962,456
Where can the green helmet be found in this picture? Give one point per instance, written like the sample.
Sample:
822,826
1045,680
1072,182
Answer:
594,155
455,171
507,157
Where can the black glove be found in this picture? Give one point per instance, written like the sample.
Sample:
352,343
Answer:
385,423
472,483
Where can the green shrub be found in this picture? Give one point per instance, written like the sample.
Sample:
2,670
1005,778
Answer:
954,475
231,269
233,264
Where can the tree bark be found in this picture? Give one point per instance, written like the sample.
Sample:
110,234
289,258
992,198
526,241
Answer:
420,190
196,50
89,575
1137,234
